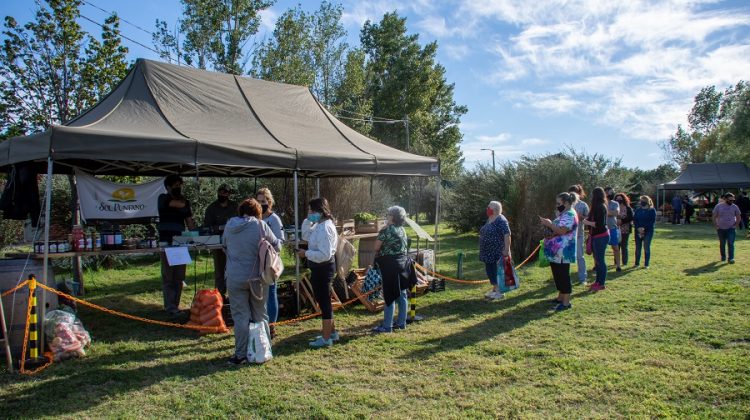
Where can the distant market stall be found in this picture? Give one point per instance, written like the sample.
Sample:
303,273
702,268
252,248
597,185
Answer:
707,177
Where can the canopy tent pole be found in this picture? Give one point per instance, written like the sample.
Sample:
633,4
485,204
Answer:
657,198
296,237
437,217
317,187
47,211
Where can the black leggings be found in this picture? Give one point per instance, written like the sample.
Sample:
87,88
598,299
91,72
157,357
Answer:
561,274
321,276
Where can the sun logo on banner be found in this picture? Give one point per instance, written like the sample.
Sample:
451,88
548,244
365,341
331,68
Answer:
123,195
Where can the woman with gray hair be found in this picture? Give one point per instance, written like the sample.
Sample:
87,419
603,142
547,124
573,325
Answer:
390,251
494,244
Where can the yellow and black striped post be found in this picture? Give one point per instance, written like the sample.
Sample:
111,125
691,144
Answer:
413,306
33,322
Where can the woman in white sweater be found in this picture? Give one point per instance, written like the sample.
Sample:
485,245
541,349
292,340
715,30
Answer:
320,233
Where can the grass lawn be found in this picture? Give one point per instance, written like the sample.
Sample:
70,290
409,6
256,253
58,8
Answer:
670,341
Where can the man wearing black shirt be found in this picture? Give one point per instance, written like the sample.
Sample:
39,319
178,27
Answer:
217,215
174,215
743,202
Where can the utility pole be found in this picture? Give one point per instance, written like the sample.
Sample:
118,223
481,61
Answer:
406,123
493,158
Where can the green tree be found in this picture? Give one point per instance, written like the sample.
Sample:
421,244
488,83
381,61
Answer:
328,49
215,33
404,81
719,125
287,56
351,101
51,70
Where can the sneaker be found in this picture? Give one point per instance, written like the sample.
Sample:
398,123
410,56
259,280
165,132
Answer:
561,307
398,327
583,283
489,294
731,261
595,287
497,296
381,329
645,267
334,336
618,269
321,342
237,361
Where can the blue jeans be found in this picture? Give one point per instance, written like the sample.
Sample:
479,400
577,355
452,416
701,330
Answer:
580,257
402,302
600,250
726,238
491,270
272,304
646,243
624,248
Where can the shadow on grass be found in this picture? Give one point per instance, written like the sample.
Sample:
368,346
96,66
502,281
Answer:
515,317
707,268
74,388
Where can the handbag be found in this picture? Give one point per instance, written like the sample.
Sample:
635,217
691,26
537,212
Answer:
509,276
269,261
373,280
258,343
542,260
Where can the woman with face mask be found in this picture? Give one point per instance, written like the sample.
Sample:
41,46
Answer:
266,201
494,244
644,220
624,220
319,231
560,247
390,248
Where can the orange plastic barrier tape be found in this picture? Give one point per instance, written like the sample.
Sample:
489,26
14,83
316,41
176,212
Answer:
133,317
20,286
438,275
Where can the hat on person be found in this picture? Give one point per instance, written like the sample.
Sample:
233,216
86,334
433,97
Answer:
225,187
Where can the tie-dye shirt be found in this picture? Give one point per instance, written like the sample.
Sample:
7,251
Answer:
561,249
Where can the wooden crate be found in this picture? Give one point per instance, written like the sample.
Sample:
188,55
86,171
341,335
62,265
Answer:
356,289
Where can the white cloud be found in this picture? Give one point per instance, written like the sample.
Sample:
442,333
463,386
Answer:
456,51
533,141
498,138
632,65
268,19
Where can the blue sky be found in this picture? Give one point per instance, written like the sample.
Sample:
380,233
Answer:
608,77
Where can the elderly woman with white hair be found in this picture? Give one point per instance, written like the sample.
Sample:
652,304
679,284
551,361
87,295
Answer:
494,244
390,248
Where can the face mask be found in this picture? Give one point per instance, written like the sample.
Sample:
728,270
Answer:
264,208
314,217
222,198
611,196
490,213
644,204
560,208
177,191
730,202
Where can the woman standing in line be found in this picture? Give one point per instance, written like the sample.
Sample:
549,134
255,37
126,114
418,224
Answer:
320,233
247,293
597,223
560,247
582,210
624,219
266,201
390,248
494,245
644,220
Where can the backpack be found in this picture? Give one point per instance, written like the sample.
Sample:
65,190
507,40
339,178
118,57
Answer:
270,262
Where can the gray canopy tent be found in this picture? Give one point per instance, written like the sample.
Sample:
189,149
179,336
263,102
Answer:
164,118
708,176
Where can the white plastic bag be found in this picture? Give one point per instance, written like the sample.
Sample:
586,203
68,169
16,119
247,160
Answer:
258,344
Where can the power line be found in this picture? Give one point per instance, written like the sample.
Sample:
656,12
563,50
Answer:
385,121
121,34
115,13
369,117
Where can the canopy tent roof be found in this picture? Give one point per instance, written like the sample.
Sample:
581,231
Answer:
710,176
164,118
